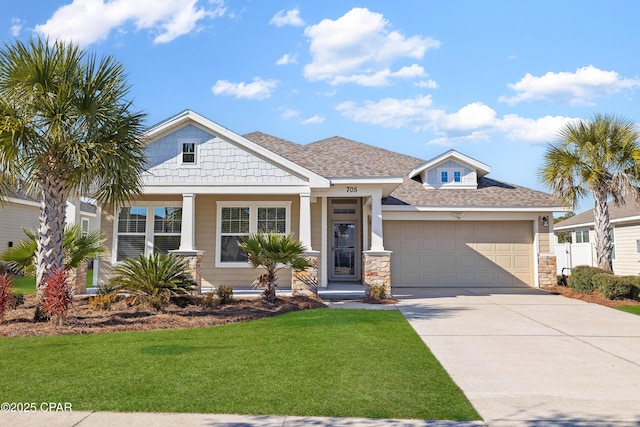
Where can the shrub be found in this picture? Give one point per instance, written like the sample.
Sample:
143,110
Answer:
581,279
57,296
18,300
378,292
617,287
210,300
225,294
104,297
153,279
6,294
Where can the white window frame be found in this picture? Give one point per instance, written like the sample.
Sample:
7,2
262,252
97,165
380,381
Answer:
196,154
149,227
155,233
253,224
450,176
582,236
84,227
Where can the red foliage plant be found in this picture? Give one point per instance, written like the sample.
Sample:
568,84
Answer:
6,293
58,295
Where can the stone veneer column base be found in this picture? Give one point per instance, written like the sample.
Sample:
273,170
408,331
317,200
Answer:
195,266
306,282
377,270
77,278
547,273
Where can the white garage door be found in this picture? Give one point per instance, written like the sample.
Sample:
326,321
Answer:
457,253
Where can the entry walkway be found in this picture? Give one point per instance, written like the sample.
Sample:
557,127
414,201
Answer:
525,357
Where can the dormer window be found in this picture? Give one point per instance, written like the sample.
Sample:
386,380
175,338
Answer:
457,176
444,176
188,153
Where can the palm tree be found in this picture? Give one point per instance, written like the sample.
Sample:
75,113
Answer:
598,157
78,247
67,128
273,252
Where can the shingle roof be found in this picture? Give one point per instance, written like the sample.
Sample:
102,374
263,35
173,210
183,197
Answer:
341,157
627,210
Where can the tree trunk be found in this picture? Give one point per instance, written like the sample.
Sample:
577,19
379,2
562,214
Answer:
602,230
52,221
270,291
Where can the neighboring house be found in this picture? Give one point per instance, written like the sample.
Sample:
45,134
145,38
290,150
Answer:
367,214
21,211
625,235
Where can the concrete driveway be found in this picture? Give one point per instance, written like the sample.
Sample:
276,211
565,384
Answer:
525,357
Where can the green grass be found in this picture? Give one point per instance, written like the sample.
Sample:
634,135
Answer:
634,309
321,362
27,284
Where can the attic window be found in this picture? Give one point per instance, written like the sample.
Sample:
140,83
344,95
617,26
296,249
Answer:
188,153
444,176
457,176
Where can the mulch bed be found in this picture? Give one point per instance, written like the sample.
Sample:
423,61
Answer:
184,312
596,297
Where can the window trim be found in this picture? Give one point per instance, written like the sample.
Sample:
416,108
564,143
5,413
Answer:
196,152
582,236
84,232
149,227
253,224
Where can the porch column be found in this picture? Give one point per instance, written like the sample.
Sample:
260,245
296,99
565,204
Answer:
187,234
377,243
305,220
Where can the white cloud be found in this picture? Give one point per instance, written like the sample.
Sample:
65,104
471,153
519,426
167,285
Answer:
579,88
315,120
290,17
473,122
286,59
16,27
359,48
289,113
427,84
257,89
88,21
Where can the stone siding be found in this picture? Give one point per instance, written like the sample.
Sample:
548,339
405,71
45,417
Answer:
547,270
377,270
306,282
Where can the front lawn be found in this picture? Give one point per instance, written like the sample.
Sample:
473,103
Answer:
634,309
324,362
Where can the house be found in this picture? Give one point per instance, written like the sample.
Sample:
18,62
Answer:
625,236
366,214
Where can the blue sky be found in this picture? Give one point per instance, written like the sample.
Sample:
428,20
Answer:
493,79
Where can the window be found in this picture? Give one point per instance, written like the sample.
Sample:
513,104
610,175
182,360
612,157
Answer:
167,225
457,176
132,223
236,219
613,243
234,222
137,232
582,236
188,153
444,176
84,227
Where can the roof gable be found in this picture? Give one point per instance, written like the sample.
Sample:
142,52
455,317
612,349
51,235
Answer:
233,146
480,168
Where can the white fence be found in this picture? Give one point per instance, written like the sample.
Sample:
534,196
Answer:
573,254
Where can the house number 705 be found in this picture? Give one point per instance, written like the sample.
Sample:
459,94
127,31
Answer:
352,189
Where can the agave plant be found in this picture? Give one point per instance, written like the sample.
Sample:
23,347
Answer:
153,279
273,252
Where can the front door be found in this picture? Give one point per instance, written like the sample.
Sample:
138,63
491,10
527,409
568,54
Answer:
344,264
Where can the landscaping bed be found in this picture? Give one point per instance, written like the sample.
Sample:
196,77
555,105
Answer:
595,297
182,312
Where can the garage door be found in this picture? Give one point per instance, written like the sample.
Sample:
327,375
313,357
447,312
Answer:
456,253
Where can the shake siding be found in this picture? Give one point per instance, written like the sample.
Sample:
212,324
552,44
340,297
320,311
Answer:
13,218
627,262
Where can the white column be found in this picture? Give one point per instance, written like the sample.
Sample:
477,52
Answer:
377,243
187,236
305,220
324,245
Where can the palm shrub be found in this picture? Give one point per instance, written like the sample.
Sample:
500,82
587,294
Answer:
153,279
273,252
